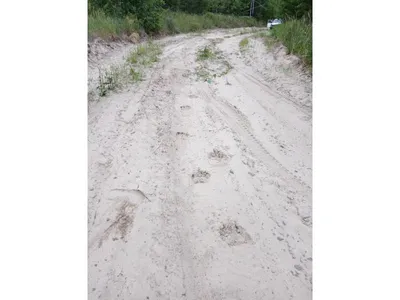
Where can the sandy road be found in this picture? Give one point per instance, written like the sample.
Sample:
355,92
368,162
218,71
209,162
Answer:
202,190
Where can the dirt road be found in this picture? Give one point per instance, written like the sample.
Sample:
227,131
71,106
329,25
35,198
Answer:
200,185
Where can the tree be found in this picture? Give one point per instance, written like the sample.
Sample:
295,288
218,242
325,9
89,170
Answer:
149,13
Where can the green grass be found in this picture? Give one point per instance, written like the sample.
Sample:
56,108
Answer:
145,54
296,35
179,22
269,41
103,26
205,53
211,63
262,34
111,79
117,76
248,30
244,43
136,75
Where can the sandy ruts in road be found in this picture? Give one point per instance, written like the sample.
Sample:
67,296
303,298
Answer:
202,190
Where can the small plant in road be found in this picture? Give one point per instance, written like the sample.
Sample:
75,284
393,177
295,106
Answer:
110,80
145,54
244,43
205,53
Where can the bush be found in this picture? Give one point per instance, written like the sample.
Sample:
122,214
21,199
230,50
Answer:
150,15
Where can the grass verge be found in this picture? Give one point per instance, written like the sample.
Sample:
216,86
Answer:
145,54
296,35
104,26
179,22
262,34
131,71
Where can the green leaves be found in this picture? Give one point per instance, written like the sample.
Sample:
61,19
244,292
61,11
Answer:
147,11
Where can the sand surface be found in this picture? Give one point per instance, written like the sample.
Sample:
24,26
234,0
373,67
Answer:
197,189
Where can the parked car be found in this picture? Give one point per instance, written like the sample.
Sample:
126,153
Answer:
273,23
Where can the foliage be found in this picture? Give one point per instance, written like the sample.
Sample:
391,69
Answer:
296,35
148,12
179,22
117,76
244,43
102,25
117,17
205,53
145,54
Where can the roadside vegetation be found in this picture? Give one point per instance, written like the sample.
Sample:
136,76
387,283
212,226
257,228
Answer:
296,31
144,54
296,35
117,76
262,34
111,79
268,39
108,19
105,26
181,22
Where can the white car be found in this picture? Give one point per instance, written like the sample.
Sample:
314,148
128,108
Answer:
273,23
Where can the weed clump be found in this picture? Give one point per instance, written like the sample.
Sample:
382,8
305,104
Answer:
205,53
110,80
145,54
244,43
131,71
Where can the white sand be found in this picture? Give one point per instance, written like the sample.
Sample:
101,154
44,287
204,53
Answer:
202,190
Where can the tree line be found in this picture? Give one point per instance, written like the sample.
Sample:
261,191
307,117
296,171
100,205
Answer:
149,12
263,9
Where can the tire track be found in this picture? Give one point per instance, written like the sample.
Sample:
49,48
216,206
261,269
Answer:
239,122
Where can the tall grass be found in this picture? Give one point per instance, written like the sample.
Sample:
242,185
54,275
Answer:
145,54
296,35
104,26
179,22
